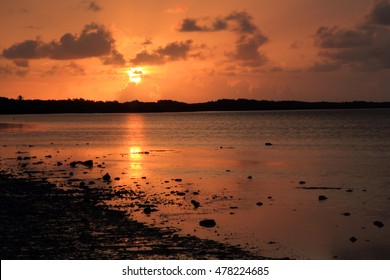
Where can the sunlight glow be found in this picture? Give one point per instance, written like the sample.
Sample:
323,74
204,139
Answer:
135,75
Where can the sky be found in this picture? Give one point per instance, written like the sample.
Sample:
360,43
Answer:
195,51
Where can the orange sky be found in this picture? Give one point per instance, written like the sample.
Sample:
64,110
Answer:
195,50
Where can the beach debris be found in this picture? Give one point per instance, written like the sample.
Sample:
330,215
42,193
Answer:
195,203
249,177
322,197
353,239
259,203
379,224
209,223
302,182
87,163
106,177
268,144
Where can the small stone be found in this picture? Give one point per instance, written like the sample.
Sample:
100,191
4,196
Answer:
106,177
117,178
346,214
353,239
378,224
209,223
259,203
178,180
268,144
147,210
195,203
322,197
249,177
59,163
302,182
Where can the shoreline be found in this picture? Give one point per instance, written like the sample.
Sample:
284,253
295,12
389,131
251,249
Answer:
40,221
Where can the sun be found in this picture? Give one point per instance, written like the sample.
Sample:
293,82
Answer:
135,75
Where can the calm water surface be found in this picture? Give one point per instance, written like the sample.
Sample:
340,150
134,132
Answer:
343,154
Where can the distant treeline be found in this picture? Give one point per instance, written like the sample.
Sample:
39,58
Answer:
21,106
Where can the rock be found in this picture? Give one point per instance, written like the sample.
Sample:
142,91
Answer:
346,214
268,144
302,182
106,177
227,170
249,177
353,239
59,163
181,193
117,178
147,210
178,180
322,197
195,203
259,203
378,224
209,223
87,163
48,156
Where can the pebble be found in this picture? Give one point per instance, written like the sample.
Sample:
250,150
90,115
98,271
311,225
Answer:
378,224
209,223
322,197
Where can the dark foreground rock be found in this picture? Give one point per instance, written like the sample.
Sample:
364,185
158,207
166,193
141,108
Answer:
39,221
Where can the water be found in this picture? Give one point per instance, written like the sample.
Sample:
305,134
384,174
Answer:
343,154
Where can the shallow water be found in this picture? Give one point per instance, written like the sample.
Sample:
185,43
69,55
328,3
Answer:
342,154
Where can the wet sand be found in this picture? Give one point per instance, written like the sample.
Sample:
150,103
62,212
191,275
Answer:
40,221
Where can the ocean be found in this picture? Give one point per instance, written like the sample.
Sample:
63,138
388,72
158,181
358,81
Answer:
258,174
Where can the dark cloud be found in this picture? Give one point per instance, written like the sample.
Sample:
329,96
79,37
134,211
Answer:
248,43
93,6
94,41
71,69
365,47
171,52
247,50
380,13
115,58
21,63
7,70
335,37
243,22
324,67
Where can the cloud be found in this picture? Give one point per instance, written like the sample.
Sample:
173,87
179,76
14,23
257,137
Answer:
171,52
249,37
324,67
115,58
72,69
380,13
365,47
176,10
21,63
93,6
7,70
94,41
